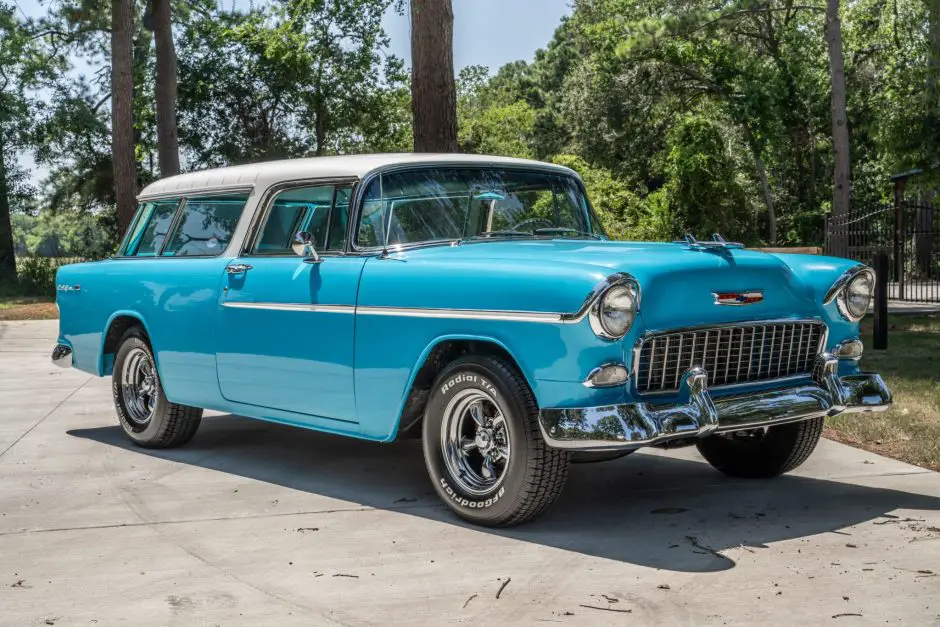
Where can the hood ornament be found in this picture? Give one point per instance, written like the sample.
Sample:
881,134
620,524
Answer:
716,243
738,298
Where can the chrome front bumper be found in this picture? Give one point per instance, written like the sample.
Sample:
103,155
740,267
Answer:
697,414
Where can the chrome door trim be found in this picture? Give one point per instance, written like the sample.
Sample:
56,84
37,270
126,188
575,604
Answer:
465,314
345,309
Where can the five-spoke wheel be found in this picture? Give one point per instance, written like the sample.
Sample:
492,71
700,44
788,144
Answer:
475,441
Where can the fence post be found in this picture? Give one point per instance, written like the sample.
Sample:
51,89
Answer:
881,300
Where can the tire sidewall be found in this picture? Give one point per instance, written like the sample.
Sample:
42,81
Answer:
131,340
477,373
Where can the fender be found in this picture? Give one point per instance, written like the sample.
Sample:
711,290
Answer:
105,363
427,351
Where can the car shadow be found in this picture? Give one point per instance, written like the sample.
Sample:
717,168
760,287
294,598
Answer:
653,510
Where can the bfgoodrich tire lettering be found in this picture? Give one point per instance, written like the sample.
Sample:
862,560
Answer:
763,455
146,416
533,474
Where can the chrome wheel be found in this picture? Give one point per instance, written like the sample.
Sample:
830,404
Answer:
139,386
475,442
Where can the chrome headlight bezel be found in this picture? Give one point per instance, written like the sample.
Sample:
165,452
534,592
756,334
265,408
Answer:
624,286
840,290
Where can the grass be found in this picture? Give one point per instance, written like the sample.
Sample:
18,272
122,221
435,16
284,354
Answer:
27,308
910,430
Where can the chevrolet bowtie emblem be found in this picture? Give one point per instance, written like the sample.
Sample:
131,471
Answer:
738,298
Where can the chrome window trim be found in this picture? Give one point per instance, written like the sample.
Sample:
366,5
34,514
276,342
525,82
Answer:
222,190
358,197
638,345
267,201
177,217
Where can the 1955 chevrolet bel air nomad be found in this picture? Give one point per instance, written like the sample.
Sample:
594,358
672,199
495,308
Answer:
474,301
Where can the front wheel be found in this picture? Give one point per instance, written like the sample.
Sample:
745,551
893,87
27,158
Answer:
146,416
483,448
762,453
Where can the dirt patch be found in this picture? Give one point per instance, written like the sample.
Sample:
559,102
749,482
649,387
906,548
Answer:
28,309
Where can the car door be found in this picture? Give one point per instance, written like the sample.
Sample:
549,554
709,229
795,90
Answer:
286,325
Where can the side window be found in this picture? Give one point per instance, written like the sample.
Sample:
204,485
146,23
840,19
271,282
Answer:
309,209
206,226
150,229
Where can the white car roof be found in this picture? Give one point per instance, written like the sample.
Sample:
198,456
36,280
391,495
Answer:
263,175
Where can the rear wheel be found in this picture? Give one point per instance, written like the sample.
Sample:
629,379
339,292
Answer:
762,453
483,448
146,416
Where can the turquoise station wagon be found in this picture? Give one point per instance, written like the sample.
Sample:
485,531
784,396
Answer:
474,302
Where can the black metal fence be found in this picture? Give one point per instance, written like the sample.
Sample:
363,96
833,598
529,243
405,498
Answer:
909,232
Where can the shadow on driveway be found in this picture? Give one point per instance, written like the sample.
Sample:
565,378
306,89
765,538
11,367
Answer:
651,510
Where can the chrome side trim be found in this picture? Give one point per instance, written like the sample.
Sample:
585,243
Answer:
590,302
697,414
345,309
62,356
466,314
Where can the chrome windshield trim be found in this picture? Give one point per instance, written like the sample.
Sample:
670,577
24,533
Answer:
344,309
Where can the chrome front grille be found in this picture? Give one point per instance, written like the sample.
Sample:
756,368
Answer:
730,354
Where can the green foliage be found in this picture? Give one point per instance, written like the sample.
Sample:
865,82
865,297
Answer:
688,106
302,77
65,234
37,275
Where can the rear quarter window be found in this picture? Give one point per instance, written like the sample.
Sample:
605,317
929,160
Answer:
205,227
151,227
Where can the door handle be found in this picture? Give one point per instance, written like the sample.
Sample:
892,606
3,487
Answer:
238,268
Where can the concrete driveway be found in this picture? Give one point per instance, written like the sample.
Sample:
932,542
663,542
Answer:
255,523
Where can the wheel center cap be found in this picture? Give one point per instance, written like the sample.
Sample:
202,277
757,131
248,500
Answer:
484,440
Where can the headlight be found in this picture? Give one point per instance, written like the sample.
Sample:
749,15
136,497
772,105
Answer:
614,312
853,292
858,295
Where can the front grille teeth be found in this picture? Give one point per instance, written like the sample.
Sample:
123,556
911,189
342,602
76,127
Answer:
730,354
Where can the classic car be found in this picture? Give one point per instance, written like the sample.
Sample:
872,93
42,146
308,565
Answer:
474,302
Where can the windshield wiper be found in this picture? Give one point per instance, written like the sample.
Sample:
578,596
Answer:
503,233
558,230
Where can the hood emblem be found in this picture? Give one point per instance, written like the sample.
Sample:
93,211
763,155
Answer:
738,298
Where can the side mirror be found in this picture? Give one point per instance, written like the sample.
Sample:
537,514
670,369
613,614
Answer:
303,247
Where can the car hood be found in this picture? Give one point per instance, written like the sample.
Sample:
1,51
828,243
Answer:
677,283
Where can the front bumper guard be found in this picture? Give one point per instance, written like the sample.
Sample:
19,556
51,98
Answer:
697,414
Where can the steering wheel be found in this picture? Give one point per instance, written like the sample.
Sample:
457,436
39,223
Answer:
531,221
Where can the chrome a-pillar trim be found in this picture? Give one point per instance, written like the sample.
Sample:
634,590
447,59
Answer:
62,356
696,414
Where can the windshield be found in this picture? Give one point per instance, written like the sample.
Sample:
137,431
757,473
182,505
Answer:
443,204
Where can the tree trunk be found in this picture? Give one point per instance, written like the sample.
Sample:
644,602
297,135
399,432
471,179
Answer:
122,112
932,93
764,184
167,137
840,129
433,91
7,255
